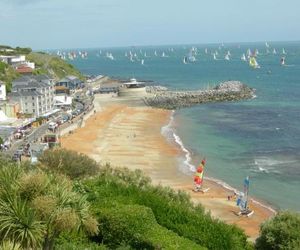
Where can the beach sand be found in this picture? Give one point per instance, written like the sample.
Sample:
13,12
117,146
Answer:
130,136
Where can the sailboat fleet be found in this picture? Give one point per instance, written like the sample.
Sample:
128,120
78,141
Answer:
192,54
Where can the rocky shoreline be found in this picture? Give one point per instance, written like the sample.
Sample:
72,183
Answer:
160,97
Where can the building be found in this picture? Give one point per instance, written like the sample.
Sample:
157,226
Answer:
10,109
133,89
70,82
35,94
17,61
2,91
63,102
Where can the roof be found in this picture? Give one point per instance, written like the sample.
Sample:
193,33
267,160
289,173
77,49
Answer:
24,93
61,88
24,69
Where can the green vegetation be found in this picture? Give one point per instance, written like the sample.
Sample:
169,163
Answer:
9,51
45,64
280,233
68,201
7,75
52,65
36,207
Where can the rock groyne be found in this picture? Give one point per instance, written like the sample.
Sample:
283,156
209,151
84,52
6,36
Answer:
226,91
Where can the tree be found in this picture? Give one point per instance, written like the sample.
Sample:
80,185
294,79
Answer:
282,232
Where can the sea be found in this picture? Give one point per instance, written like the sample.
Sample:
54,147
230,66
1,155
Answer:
259,138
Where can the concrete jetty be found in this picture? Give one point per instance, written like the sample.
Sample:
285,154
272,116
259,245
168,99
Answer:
226,91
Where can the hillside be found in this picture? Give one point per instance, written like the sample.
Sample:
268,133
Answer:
52,65
44,63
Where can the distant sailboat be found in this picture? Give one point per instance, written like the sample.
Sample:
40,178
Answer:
155,53
282,61
253,63
243,57
274,51
215,57
249,53
206,51
227,58
267,45
185,60
142,61
109,56
283,51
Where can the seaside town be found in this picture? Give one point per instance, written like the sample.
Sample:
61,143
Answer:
125,126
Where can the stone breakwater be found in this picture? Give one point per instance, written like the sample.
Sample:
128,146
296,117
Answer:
226,91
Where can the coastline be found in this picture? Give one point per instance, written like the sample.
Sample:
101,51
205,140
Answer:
127,136
190,168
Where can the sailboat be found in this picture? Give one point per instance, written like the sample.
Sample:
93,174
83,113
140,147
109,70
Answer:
253,63
215,57
206,51
185,60
282,61
267,45
274,51
142,61
283,51
155,53
242,200
243,57
198,178
227,58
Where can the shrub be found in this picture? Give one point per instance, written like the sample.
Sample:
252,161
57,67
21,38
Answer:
172,210
70,163
282,232
136,226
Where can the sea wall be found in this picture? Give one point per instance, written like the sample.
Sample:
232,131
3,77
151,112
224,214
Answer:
226,91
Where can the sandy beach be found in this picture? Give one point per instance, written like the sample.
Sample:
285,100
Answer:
130,136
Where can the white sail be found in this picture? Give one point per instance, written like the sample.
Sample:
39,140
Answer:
282,61
283,51
227,58
274,51
243,57
185,60
215,57
142,61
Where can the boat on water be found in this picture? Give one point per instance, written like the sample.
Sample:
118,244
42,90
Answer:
283,51
215,57
274,51
253,63
243,58
227,58
267,45
282,61
109,56
185,60
142,61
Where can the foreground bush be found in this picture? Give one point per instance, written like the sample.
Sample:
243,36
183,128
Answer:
171,210
68,162
280,233
136,226
36,207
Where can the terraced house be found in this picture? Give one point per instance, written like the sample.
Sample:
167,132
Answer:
35,94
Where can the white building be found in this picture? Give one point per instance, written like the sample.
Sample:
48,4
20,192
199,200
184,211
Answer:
35,94
2,91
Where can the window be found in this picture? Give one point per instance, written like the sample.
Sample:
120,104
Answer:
33,98
25,103
33,104
33,110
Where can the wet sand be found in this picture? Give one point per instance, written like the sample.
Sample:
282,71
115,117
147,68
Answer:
131,137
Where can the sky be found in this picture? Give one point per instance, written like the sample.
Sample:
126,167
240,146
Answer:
50,24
